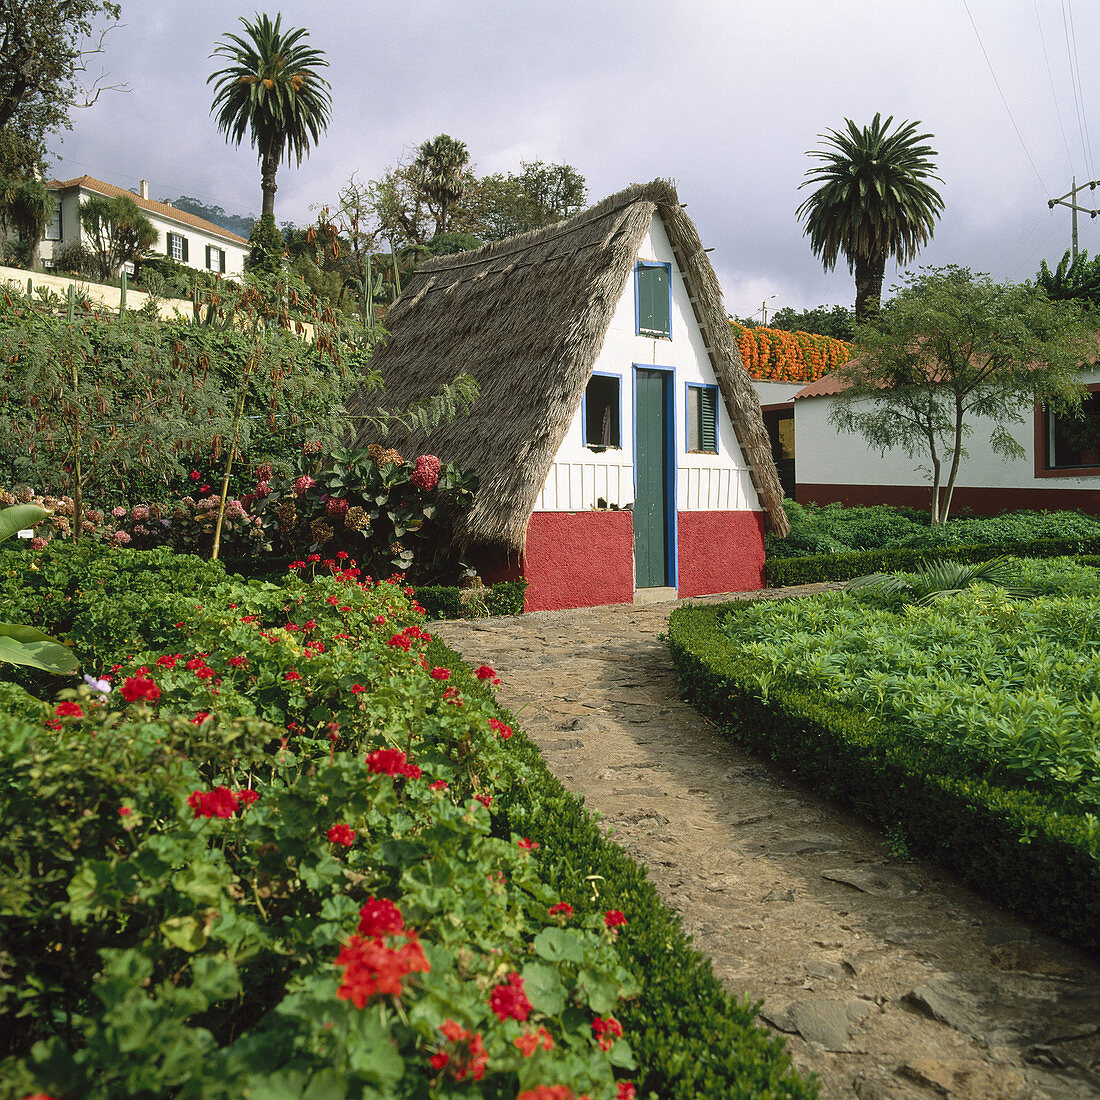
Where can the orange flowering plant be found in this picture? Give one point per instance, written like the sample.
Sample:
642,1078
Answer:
775,355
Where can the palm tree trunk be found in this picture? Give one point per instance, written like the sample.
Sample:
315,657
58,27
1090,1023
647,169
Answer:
869,272
269,163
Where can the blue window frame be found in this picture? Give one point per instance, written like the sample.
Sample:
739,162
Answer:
701,408
653,298
602,411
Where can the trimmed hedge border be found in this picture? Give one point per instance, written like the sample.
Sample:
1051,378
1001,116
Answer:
781,572
1007,842
446,601
692,1041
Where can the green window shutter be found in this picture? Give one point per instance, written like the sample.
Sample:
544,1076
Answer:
654,314
708,417
184,239
221,261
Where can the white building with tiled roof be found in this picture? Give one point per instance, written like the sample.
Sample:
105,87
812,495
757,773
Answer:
184,237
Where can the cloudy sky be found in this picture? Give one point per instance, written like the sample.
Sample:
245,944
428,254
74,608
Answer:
723,96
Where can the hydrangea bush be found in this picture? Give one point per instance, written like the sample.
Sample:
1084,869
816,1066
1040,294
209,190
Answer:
257,852
371,504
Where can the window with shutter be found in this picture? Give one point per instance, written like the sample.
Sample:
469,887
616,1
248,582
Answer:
177,247
653,285
702,417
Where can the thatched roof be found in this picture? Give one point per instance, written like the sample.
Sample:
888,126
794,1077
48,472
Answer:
527,317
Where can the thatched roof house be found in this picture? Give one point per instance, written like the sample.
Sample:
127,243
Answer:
528,317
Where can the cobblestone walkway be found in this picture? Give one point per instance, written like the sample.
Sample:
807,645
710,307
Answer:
891,980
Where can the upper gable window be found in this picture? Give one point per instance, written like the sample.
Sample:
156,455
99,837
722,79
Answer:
653,283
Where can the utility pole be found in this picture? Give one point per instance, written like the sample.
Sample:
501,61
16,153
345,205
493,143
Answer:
1072,204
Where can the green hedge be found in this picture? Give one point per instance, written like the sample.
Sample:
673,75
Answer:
1009,843
441,601
780,572
692,1040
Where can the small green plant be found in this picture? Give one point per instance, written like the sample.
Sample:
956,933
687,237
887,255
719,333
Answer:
936,579
897,844
25,645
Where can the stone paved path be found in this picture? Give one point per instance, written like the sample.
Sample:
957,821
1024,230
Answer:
891,980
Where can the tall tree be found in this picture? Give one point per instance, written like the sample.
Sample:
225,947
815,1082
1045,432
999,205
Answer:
440,169
271,90
118,231
45,46
952,347
25,209
874,200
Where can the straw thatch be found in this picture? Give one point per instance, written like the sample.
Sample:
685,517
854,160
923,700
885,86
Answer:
527,317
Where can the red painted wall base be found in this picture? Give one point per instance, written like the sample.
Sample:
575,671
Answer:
980,501
586,559
579,559
720,552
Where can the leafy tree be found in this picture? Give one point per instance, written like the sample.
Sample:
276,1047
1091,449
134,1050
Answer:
953,346
271,90
1078,280
874,201
45,46
504,204
118,230
834,321
440,168
25,209
266,248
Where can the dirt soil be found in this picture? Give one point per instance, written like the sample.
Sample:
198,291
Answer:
889,978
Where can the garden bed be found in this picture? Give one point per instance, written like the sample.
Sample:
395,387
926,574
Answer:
969,725
294,848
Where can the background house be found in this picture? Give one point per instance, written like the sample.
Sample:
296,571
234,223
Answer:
183,237
618,439
1057,471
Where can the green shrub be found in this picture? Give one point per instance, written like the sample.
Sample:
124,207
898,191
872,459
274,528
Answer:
449,602
1013,843
780,572
208,937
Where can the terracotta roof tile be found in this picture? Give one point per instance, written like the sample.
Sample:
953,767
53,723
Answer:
90,183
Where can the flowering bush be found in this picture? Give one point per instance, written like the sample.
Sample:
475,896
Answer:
283,885
775,355
387,513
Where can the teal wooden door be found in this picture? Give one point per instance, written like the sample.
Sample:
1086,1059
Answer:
652,422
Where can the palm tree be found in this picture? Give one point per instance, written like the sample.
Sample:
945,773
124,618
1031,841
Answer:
439,169
271,90
874,200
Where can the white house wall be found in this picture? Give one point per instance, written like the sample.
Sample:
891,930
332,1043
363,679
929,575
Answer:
826,456
197,239
776,393
579,476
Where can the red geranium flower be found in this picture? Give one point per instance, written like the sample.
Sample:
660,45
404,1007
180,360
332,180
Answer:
200,718
293,674
220,802
510,1001
168,660
606,1031
438,785
387,762
357,689
626,1091
485,673
502,728
341,834
370,967
613,918
530,1041
69,710
441,673
485,799
527,845
237,662
248,796
380,917
563,908
139,687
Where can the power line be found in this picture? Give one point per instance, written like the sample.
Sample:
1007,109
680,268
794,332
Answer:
1053,93
1003,265
997,83
1075,81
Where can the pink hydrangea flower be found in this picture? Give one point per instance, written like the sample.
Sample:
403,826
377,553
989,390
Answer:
425,473
303,483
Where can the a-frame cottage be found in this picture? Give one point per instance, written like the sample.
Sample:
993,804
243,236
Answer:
618,439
